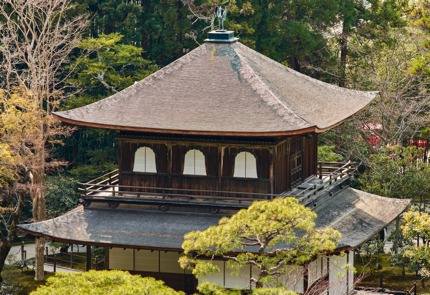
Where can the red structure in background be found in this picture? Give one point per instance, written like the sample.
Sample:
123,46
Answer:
374,138
421,143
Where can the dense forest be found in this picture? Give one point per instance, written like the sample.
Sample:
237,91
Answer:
86,50
367,45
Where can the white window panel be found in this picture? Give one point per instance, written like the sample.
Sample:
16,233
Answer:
245,165
194,163
144,160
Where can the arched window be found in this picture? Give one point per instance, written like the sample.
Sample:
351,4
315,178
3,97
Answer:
144,160
245,165
194,163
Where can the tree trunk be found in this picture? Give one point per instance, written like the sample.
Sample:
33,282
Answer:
343,55
4,251
6,241
262,275
39,248
39,214
396,236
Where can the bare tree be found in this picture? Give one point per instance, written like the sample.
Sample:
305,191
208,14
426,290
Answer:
401,110
36,39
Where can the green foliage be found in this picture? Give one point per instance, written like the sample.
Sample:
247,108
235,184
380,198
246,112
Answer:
326,154
269,235
18,280
416,225
372,247
107,66
418,13
397,172
207,288
20,121
7,164
158,27
88,172
103,282
273,291
61,195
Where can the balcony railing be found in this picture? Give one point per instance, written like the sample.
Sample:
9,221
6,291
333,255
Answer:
106,189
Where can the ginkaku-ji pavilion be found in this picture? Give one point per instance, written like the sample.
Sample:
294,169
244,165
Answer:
205,136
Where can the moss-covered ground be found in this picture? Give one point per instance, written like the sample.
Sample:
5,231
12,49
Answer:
378,273
19,282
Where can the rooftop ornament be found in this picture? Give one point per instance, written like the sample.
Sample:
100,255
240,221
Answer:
221,14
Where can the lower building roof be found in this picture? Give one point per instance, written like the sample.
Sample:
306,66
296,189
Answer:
356,214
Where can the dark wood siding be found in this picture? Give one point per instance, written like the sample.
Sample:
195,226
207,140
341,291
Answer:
295,160
281,177
280,165
130,178
310,155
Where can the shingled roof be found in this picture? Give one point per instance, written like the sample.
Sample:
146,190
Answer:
223,89
356,214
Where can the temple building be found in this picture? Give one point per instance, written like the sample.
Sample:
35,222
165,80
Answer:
205,136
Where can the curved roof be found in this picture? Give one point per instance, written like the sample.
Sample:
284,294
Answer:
223,89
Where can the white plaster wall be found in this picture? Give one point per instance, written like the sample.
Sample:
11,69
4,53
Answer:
217,278
169,262
351,271
240,280
146,260
293,280
338,275
121,259
314,270
227,279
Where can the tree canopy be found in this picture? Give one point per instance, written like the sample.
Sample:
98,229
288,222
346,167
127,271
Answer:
269,235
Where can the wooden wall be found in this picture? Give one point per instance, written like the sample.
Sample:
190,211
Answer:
280,165
295,159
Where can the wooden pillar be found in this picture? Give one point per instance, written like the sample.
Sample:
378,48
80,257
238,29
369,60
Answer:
169,164
220,166
272,156
88,262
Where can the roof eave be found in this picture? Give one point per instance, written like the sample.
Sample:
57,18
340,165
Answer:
66,120
92,243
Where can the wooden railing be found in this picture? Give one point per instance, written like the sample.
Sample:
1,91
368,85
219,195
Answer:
330,175
332,171
106,190
98,184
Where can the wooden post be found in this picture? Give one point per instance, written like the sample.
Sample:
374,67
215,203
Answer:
22,252
88,264
271,171
71,258
55,263
46,254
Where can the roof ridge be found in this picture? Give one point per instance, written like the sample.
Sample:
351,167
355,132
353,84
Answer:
128,92
272,100
306,77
